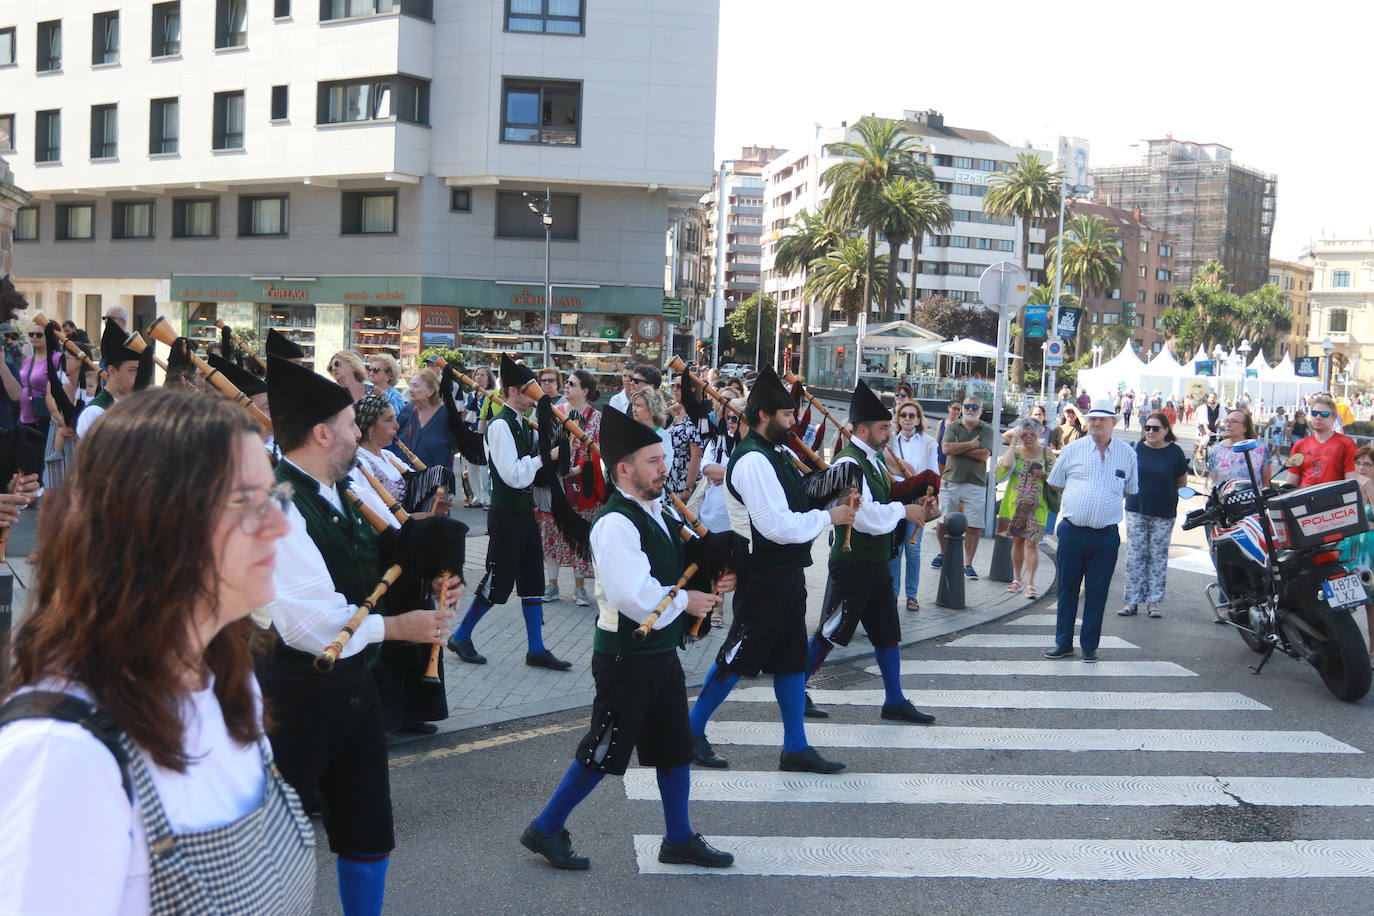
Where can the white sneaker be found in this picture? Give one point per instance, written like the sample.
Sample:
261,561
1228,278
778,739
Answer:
580,597
551,593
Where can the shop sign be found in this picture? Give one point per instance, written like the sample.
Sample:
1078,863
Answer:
1307,366
439,319
526,299
276,292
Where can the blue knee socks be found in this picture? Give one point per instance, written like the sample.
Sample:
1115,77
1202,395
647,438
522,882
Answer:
717,687
890,666
577,784
673,786
533,609
362,884
816,652
790,689
476,611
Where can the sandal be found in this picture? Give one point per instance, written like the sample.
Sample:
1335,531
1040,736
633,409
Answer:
1128,611
1031,593
1015,585
912,604
1152,611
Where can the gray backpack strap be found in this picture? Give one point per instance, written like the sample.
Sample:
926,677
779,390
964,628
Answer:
39,704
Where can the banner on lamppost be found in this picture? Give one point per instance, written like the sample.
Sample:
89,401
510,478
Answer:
1037,320
1307,366
1068,321
1073,162
1203,367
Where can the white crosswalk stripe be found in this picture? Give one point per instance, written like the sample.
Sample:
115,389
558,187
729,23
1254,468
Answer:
1026,641
1064,667
1034,620
1023,699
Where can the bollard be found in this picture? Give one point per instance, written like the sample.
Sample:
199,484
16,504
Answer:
951,590
1001,569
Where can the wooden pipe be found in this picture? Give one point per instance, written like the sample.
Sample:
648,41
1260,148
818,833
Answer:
534,391
161,331
702,531
642,631
790,378
415,462
677,365
431,675
219,323
919,528
325,660
136,343
391,502
70,346
467,380
849,531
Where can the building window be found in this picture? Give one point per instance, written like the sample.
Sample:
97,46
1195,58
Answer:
50,45
460,200
1165,275
1144,247
228,120
195,218
963,162
75,221
263,215
369,212
1143,270
231,23
400,97
348,9
164,126
166,29
1340,278
515,220
1165,250
281,9
26,225
104,131
7,49
556,17
6,133
280,95
105,38
535,111
1337,321
131,219
47,139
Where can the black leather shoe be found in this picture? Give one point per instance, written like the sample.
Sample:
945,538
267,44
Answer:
420,728
812,711
694,851
1089,655
546,659
1060,652
907,713
463,648
807,761
557,848
704,756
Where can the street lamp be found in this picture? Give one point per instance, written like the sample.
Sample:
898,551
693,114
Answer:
1097,354
1327,348
543,208
1244,350
1218,366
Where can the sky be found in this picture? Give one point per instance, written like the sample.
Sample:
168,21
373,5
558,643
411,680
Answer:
1285,87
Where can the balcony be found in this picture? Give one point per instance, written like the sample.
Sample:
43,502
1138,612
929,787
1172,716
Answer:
1037,236
1035,261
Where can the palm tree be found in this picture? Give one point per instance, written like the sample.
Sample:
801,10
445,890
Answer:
844,276
883,153
906,209
1092,255
808,237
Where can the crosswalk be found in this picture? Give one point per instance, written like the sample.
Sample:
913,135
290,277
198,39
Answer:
1063,785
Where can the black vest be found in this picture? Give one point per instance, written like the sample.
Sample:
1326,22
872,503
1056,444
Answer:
764,552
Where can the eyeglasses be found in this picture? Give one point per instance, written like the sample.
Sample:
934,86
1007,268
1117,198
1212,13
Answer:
1321,413
258,502
973,406
334,365
636,380
35,333
1152,428
906,416
375,369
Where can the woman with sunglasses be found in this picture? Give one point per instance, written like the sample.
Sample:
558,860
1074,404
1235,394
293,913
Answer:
192,815
1070,429
1024,511
33,382
1223,464
346,367
1150,514
915,450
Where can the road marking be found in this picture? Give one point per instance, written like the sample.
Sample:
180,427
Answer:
484,743
1064,667
1196,561
1027,641
1036,620
1023,699
1044,859
949,737
770,786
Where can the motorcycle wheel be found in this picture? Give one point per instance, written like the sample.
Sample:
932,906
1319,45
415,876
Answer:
1342,661
1242,622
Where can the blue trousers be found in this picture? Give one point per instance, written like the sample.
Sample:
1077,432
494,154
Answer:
911,554
1087,559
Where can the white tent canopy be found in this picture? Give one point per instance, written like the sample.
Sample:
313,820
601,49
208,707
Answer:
1123,367
967,346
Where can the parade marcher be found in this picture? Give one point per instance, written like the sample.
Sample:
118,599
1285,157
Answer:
549,535
860,582
768,632
137,778
641,693
126,372
328,731
514,556
283,347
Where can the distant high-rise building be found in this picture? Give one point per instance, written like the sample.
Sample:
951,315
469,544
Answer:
1216,209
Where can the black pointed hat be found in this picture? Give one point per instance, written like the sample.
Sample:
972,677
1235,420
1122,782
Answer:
514,374
241,379
278,344
622,436
769,393
112,348
299,398
144,376
864,406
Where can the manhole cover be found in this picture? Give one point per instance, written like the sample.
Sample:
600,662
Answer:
841,676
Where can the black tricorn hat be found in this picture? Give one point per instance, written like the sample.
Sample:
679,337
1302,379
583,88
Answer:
622,436
278,344
112,348
299,398
242,379
864,406
769,393
513,374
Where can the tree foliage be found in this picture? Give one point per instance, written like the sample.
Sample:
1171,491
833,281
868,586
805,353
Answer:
951,318
744,320
845,275
1206,313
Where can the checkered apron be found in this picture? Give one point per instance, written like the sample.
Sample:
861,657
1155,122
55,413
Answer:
263,864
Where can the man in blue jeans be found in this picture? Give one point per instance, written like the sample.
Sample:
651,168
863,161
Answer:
1094,474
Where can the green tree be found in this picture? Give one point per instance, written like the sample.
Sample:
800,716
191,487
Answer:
844,277
907,209
1206,313
1264,317
745,320
1092,255
809,236
951,318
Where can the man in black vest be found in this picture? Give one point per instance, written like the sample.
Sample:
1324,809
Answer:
860,580
641,694
515,556
328,735
769,629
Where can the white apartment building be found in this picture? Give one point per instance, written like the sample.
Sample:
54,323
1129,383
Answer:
1342,306
360,173
963,160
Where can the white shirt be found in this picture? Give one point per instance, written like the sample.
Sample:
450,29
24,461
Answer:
621,402
89,414
873,517
918,450
517,472
1094,485
624,583
765,503
714,514
72,841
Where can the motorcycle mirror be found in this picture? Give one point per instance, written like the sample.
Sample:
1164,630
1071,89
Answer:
1294,460
1245,445
1186,492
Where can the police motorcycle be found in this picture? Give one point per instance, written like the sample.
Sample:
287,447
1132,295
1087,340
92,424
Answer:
1279,578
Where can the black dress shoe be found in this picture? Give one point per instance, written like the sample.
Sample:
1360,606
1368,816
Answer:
704,756
807,761
463,648
694,851
1060,652
906,712
546,659
1089,655
420,728
557,848
812,711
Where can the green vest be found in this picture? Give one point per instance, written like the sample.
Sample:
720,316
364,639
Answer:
866,548
762,551
666,564
503,495
103,399
348,545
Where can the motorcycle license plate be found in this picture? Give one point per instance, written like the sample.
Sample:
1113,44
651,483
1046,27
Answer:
1343,591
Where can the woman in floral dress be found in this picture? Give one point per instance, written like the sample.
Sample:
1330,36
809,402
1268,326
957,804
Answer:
1024,511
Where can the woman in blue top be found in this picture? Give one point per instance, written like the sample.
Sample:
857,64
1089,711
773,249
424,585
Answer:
424,424
1163,468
